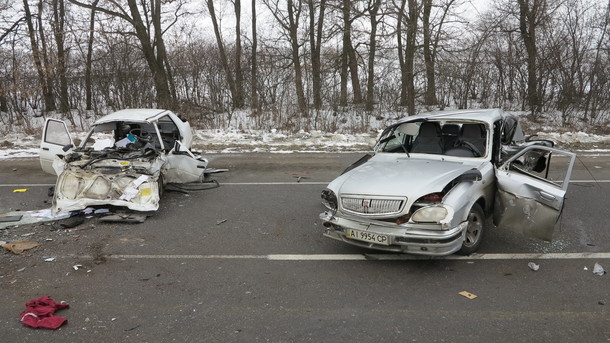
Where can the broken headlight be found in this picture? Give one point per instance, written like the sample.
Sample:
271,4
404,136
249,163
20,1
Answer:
329,199
439,214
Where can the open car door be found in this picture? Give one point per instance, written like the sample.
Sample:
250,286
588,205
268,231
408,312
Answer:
532,185
55,137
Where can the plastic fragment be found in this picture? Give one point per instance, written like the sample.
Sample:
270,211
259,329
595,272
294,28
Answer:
598,269
467,295
533,266
19,246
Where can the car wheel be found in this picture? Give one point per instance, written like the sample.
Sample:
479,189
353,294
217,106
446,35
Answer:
474,231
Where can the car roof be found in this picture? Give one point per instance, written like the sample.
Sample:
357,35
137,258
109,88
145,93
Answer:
485,115
133,115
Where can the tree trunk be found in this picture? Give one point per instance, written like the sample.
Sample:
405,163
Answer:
430,95
239,76
59,15
47,67
348,49
49,99
373,47
410,55
344,54
293,19
89,60
401,55
315,42
254,70
527,26
223,55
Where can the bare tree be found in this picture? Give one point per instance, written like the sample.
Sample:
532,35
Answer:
58,25
39,56
89,58
373,11
254,68
315,43
348,57
406,52
145,19
289,21
239,76
530,14
432,34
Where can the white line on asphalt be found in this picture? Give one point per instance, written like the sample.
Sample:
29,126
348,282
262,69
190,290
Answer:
368,257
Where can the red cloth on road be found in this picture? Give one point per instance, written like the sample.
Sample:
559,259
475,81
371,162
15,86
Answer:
39,313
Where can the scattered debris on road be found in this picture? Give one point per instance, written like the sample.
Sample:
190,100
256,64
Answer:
598,269
39,313
533,266
467,295
19,246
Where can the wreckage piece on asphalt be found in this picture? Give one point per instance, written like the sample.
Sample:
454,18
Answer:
125,160
434,179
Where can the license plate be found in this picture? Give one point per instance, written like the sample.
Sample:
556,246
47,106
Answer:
367,236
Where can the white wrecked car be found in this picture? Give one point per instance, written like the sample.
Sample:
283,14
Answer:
125,160
434,179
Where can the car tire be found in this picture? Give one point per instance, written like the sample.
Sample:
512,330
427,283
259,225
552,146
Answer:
474,230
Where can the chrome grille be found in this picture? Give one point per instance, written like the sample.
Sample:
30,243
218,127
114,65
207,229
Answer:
365,205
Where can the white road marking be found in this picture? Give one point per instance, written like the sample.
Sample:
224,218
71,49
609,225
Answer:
368,257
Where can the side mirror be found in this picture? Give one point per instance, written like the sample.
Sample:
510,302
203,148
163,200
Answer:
67,147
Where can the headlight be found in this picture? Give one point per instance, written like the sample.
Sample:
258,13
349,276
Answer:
329,199
433,214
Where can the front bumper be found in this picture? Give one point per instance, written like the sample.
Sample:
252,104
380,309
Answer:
406,238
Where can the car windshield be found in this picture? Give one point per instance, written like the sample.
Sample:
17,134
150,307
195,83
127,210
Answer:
118,135
451,138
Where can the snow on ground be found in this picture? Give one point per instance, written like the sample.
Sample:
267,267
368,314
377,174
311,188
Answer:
232,140
18,145
226,141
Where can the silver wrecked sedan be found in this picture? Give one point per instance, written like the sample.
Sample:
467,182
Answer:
125,160
434,179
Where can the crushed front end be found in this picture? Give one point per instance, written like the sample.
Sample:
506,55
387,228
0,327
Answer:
382,223
117,177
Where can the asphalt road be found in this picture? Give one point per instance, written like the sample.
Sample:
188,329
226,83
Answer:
246,262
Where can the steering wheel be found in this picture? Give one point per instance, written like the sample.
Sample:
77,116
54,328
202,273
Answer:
471,147
141,134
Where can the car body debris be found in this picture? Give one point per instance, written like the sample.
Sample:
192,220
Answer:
468,295
598,269
19,247
533,266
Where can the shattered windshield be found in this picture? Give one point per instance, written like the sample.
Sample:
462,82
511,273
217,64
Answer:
121,140
451,138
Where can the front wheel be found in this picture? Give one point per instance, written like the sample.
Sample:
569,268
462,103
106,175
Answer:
474,231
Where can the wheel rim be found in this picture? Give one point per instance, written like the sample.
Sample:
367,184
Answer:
474,229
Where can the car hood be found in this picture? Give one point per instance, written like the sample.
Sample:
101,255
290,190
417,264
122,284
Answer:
399,176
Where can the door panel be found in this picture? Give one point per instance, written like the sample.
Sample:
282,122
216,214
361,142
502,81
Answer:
531,190
54,137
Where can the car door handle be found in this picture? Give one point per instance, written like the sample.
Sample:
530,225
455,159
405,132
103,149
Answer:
547,196
46,149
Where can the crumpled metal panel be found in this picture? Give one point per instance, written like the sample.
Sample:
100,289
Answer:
77,189
526,216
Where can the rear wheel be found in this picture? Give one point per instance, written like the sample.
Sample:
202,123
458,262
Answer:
474,231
